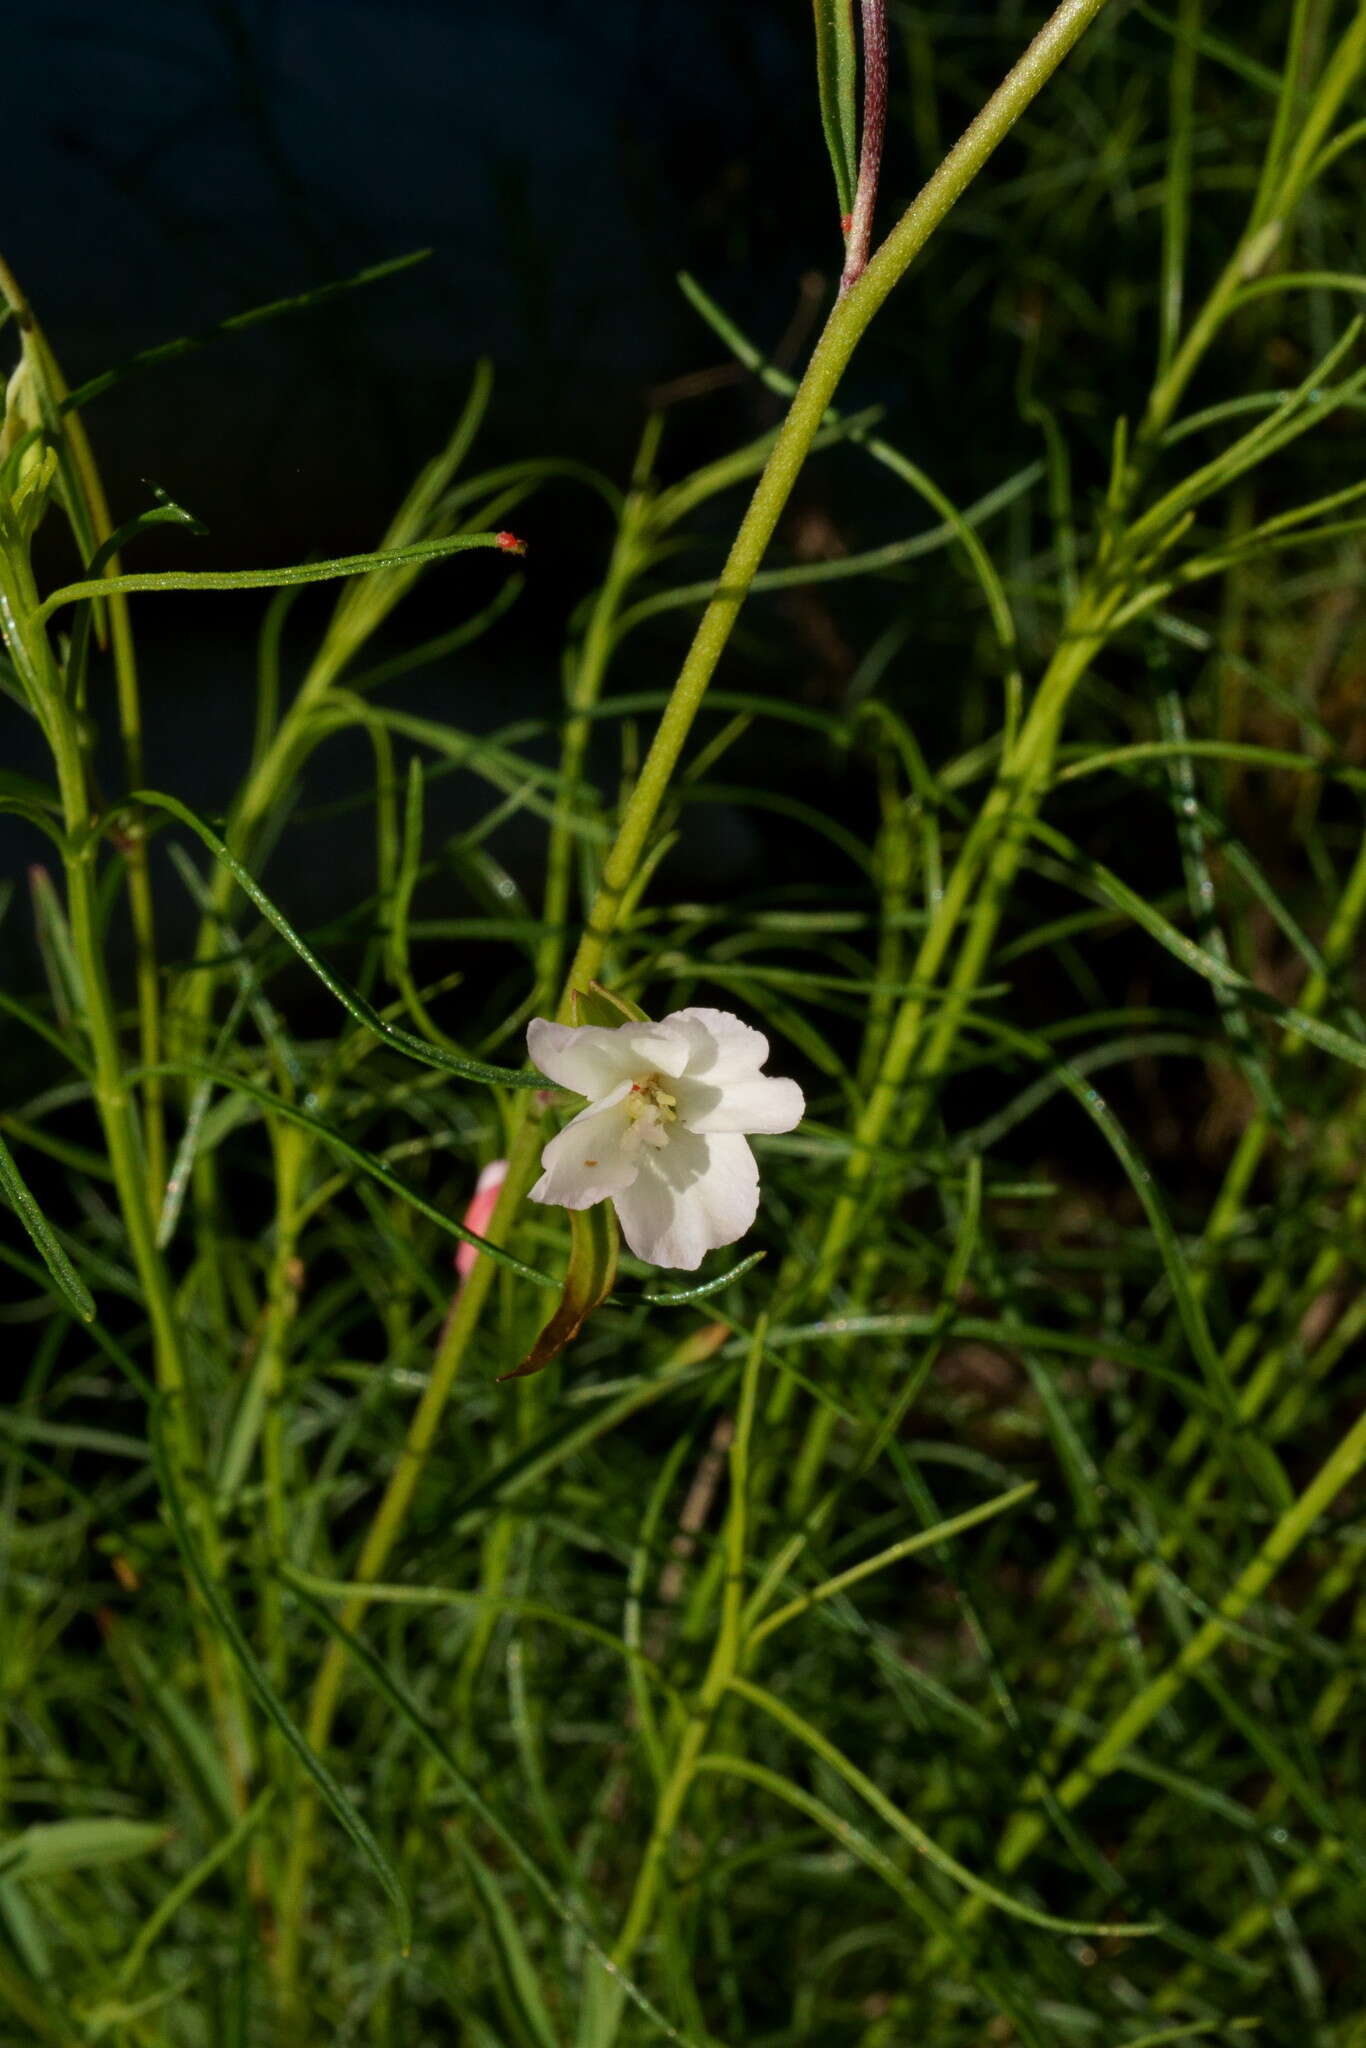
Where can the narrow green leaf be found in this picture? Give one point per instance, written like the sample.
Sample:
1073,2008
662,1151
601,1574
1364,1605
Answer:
271,579
50,1847
160,1703
923,1539
429,652
405,878
677,1297
165,512
333,1797
593,1243
57,953
66,1279
34,814
167,351
1189,2030
524,2006
1256,1455
1200,893
853,1841
836,77
1223,51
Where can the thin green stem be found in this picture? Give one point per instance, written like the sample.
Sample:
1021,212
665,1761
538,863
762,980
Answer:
848,321
116,1104
589,674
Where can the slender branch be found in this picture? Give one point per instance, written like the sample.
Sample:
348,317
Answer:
860,237
849,318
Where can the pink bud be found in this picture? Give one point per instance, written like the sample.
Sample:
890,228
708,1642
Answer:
479,1212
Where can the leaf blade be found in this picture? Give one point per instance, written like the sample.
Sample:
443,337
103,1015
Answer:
49,1848
836,71
65,1278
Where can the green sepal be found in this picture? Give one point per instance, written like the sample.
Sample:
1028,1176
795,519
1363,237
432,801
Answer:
593,1244
599,1005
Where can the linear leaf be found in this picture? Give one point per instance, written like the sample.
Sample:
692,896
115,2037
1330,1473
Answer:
66,1279
299,302
836,73
1215,971
50,1847
520,1987
272,579
679,1296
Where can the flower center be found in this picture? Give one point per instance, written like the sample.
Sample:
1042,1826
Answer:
650,1109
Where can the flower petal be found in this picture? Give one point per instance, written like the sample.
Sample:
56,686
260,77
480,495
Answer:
752,1102
592,1058
585,1162
689,1198
720,1047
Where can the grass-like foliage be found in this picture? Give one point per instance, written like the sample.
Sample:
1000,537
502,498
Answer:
945,1627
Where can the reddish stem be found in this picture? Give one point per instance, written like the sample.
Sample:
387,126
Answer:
859,235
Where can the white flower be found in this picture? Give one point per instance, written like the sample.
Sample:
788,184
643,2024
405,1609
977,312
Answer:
664,1131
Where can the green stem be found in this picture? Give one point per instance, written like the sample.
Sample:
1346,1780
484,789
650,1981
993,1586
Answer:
291,1152
590,671
116,1105
88,483
849,319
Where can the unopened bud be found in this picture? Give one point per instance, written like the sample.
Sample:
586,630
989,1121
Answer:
28,480
21,412
479,1213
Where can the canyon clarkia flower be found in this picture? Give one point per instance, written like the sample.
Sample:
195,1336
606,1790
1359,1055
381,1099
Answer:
664,1132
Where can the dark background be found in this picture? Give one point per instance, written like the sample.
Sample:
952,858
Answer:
561,161
170,166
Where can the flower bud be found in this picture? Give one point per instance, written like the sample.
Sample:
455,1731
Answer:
478,1214
21,412
27,480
